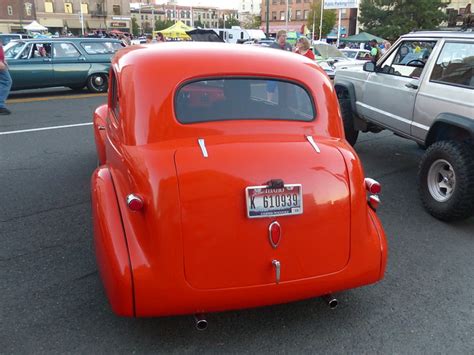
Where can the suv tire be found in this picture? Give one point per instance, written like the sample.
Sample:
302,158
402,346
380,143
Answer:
98,82
348,121
446,180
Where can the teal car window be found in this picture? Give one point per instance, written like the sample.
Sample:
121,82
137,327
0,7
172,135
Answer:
101,47
41,50
12,49
65,50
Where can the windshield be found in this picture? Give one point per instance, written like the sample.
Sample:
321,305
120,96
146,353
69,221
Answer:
242,99
327,51
12,49
349,54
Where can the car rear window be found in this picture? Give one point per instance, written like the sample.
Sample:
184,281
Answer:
243,99
101,47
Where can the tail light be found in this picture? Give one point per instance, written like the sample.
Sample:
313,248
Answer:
373,188
135,202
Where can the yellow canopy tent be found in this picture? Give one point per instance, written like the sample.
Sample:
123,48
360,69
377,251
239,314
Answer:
178,30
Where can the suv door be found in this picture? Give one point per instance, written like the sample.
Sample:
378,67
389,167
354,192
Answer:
391,90
70,67
449,87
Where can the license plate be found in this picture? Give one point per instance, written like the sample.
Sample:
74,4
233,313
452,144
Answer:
263,201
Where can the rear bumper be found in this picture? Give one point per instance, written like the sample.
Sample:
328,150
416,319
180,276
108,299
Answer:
156,295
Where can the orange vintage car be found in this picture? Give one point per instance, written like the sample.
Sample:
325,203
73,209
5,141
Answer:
225,182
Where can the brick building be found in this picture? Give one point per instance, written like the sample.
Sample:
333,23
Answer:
206,17
65,15
14,14
298,13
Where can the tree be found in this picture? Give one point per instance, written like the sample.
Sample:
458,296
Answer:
198,23
391,18
161,25
329,19
135,29
251,21
229,22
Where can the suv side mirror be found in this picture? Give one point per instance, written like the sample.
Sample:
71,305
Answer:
369,66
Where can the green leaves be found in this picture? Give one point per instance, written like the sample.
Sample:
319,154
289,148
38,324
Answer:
392,18
329,18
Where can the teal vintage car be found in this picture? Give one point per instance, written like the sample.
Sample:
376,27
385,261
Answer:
71,62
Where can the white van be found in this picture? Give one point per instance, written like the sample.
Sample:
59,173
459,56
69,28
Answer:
232,35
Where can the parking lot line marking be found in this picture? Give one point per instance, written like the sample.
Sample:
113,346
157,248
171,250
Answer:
62,97
46,128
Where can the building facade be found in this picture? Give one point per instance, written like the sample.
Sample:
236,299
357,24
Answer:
77,16
457,10
14,14
146,15
297,16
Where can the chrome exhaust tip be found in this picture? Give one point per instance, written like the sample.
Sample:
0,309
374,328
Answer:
331,301
201,321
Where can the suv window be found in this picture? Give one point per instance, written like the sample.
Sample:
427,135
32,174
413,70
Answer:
455,65
409,59
242,99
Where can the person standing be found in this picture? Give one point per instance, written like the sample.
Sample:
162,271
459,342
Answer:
160,37
280,42
375,51
5,82
303,48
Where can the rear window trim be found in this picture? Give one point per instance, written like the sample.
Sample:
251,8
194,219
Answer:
194,80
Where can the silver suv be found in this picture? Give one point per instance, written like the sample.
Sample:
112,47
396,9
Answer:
423,90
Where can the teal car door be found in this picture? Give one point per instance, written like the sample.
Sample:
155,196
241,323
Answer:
32,68
70,67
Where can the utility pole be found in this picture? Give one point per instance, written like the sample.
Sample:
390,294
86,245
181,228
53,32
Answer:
321,20
268,17
286,15
81,15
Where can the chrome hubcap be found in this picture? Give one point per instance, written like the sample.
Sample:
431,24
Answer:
441,180
98,80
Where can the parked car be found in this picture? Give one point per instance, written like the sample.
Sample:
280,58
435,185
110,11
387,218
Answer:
6,38
331,59
356,54
71,62
228,185
422,89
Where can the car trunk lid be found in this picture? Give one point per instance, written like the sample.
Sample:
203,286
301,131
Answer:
224,248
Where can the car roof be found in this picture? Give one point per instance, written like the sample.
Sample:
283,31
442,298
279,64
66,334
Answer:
70,39
440,34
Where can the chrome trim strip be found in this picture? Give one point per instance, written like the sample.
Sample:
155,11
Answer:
202,144
313,143
270,234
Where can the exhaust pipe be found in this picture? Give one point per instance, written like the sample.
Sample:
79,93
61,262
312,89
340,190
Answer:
331,301
201,321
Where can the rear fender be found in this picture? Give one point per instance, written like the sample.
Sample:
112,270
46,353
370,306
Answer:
99,120
111,247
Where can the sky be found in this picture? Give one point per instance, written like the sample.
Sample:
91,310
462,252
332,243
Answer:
225,4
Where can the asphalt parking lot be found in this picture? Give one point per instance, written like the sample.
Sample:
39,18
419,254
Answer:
52,299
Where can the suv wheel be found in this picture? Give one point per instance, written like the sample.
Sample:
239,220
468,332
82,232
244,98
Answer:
446,180
97,83
348,121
